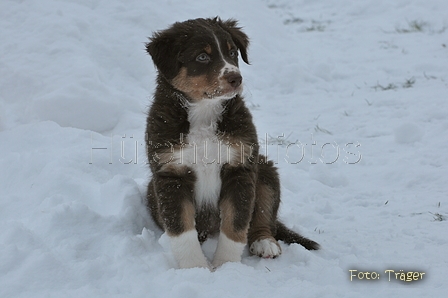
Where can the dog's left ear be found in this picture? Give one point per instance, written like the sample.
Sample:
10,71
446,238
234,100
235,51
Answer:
238,36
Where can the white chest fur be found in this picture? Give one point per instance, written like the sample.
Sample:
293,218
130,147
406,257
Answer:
204,151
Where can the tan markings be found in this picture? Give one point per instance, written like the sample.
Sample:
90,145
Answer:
175,169
171,160
229,46
167,155
235,154
227,226
188,215
187,218
240,152
208,49
202,87
196,87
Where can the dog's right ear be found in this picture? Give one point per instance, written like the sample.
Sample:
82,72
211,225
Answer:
164,49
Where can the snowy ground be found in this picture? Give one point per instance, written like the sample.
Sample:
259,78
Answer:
357,89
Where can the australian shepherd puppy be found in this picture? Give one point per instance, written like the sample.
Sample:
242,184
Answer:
207,175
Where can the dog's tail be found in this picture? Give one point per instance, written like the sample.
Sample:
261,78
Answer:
288,236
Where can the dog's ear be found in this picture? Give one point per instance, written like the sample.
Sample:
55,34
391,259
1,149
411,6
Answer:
238,36
164,49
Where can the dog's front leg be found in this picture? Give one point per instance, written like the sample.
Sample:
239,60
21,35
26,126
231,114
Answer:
177,213
236,206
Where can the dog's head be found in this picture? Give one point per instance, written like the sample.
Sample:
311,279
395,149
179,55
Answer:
200,57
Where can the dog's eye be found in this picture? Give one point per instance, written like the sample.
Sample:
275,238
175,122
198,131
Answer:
233,53
204,58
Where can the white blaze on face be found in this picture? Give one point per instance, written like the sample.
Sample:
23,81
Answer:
227,68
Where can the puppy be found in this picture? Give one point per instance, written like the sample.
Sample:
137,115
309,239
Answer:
207,175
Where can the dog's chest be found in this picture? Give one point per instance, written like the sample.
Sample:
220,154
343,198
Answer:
205,152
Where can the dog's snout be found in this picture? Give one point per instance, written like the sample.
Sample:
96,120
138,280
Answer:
234,79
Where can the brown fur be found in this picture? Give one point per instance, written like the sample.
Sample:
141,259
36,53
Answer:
228,215
195,87
248,201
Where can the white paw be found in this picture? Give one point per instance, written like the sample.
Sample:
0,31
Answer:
187,250
227,251
266,248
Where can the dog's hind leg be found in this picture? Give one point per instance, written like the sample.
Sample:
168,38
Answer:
262,231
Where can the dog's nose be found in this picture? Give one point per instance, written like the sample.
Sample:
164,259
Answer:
234,79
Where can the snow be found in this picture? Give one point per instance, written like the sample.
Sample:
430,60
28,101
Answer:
350,98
